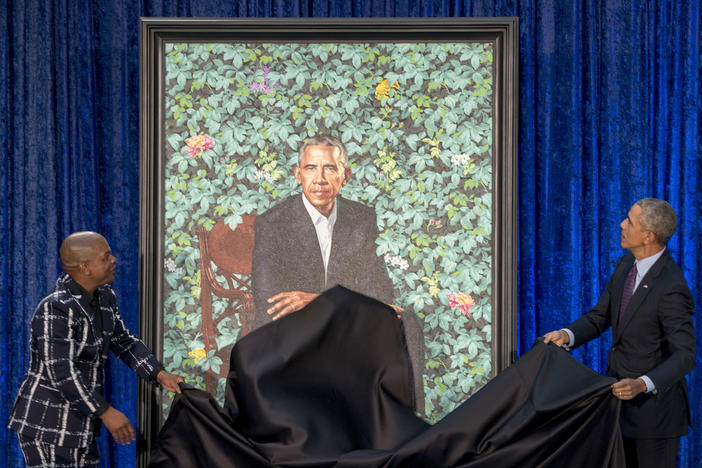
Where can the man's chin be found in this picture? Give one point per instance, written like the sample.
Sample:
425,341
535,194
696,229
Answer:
321,199
321,203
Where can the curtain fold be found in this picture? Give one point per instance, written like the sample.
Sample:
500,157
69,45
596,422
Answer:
610,112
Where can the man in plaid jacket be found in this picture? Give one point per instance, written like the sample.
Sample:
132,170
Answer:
60,407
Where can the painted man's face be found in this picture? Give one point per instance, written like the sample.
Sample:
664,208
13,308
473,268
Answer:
321,177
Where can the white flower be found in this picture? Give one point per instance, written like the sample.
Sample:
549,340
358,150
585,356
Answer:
263,175
170,266
397,262
460,159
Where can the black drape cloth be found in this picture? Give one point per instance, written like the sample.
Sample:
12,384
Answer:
331,386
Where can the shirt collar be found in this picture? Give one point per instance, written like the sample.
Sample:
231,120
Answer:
85,298
315,215
645,264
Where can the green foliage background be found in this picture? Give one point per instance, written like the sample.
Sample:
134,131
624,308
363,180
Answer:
419,144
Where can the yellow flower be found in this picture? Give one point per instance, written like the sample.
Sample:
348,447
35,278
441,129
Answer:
433,284
198,354
383,89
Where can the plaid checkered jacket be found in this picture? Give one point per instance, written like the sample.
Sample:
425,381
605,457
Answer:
62,390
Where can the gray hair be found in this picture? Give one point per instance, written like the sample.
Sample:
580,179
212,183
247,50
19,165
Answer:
658,217
341,156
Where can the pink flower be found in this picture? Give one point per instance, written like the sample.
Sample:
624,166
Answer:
198,143
461,300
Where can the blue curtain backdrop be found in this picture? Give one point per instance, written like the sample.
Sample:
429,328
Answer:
610,112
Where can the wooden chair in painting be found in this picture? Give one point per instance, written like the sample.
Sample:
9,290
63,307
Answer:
230,251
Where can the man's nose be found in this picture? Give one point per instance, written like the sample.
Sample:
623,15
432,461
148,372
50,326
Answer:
319,177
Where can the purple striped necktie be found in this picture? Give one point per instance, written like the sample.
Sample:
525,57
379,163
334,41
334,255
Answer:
628,290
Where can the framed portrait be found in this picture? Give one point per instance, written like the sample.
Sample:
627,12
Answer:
426,110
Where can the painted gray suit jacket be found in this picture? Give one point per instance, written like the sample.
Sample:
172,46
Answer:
286,255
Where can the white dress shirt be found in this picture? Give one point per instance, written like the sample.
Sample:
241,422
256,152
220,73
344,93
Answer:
324,227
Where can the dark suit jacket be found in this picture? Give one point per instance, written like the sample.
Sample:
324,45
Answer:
286,255
62,391
655,337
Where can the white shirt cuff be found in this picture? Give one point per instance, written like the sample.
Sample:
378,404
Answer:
649,383
571,339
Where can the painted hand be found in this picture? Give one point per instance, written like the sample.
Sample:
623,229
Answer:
398,310
287,302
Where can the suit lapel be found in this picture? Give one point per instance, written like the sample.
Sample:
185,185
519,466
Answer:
340,236
306,233
619,286
77,304
647,283
107,324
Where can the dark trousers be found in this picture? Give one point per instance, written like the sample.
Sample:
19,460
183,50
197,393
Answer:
650,453
41,455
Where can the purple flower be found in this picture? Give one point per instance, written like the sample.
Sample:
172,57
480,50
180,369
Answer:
259,82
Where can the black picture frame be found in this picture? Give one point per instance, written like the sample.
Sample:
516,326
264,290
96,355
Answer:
155,33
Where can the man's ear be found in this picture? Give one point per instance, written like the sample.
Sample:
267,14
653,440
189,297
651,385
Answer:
296,172
347,174
650,238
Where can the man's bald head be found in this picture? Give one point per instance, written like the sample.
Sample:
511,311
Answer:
78,248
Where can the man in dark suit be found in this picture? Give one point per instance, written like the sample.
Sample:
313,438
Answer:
60,405
649,306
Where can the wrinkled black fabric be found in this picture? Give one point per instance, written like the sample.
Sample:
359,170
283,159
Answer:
330,386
